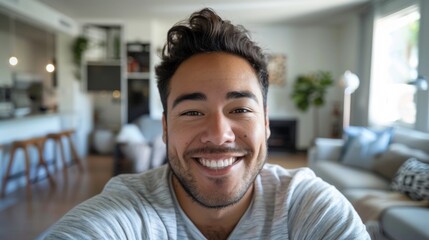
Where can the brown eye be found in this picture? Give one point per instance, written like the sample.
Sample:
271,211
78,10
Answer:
191,113
241,110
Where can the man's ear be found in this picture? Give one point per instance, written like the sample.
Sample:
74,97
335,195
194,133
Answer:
164,128
267,124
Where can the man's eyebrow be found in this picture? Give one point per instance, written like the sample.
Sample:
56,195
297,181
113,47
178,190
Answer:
197,96
241,94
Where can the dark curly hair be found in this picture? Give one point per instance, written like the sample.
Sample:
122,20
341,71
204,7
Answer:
205,32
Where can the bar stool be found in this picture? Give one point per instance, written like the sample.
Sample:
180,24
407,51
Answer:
57,137
37,142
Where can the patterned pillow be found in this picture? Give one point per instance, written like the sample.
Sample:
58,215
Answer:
412,179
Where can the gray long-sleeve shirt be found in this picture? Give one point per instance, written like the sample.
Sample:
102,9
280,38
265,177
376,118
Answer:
287,204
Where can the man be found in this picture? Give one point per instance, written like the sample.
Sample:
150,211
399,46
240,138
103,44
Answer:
213,84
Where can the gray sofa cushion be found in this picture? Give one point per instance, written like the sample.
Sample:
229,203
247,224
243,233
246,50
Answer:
413,139
371,203
388,163
403,223
342,176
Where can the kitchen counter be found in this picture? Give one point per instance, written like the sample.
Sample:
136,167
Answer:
32,125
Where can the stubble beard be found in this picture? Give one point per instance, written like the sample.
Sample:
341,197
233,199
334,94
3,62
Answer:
215,200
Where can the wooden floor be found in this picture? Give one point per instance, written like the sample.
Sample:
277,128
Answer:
27,213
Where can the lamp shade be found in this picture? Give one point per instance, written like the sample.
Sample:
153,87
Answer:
349,82
420,83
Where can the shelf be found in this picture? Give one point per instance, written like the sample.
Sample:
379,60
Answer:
138,75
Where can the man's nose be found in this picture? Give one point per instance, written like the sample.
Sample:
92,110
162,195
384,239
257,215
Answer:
218,130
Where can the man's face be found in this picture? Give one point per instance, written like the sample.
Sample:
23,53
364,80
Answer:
215,128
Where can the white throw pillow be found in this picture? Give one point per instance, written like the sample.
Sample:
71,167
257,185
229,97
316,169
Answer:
130,133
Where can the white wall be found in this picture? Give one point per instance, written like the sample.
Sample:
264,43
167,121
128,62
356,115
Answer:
308,49
5,41
137,30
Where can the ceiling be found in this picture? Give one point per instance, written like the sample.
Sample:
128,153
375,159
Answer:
252,11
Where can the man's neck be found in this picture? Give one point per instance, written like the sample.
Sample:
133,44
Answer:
213,223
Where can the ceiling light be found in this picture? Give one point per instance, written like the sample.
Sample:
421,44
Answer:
50,67
13,61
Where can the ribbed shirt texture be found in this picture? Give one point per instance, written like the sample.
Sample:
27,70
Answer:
287,204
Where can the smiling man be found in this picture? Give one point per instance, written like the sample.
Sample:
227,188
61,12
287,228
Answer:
216,131
213,85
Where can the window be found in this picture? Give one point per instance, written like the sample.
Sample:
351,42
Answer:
394,64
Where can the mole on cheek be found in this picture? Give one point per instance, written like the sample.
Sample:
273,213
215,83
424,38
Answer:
245,136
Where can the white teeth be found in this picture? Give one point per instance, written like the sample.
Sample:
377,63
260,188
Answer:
217,164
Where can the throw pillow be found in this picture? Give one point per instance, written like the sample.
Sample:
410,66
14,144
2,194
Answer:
412,179
388,163
363,144
130,133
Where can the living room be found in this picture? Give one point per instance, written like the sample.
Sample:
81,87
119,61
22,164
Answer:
332,38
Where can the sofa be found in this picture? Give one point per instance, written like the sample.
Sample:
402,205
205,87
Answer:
139,146
384,173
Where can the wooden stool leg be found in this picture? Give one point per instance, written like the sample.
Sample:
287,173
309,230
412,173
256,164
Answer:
55,153
7,174
27,166
42,161
76,157
63,155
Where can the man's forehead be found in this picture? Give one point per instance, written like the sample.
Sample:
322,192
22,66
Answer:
214,75
199,96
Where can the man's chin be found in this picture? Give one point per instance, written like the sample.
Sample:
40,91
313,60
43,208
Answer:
221,201
213,196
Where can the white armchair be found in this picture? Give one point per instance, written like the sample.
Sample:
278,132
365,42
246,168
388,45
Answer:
325,149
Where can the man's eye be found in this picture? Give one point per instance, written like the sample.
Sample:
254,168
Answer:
191,113
241,110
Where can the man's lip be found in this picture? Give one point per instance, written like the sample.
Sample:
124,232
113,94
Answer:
217,156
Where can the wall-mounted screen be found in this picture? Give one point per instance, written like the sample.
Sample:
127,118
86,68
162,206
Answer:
103,76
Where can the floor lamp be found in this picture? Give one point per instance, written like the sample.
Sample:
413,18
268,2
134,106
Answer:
420,83
349,82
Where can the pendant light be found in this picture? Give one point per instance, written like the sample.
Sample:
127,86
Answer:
13,60
50,67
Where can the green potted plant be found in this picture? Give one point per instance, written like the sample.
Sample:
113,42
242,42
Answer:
79,46
310,90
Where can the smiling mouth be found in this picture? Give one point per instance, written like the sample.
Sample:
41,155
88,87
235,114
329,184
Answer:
217,164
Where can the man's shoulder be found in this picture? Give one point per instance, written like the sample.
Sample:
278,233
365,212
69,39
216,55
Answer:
273,172
277,180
